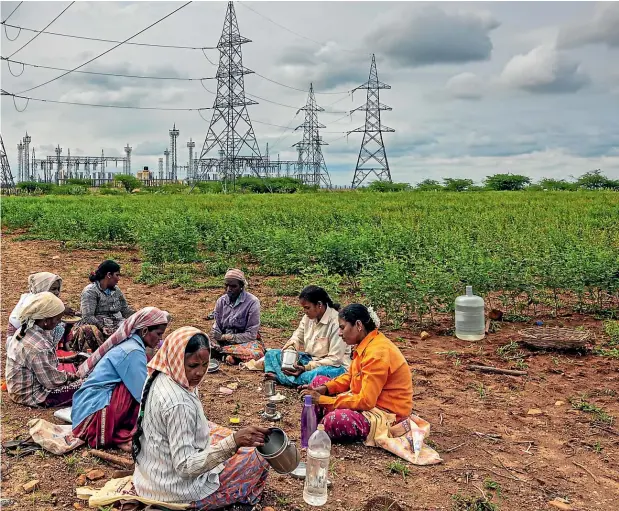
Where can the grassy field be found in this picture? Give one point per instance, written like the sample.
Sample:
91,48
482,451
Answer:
408,253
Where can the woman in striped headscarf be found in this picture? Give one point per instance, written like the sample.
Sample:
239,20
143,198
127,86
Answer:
235,336
181,457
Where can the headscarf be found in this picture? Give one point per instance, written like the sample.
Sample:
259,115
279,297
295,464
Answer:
170,359
148,316
42,281
234,273
41,306
37,283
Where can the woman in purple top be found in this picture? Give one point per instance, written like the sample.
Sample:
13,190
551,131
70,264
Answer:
235,335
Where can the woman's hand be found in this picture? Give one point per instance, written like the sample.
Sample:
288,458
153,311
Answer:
312,392
322,390
251,436
298,369
227,337
72,377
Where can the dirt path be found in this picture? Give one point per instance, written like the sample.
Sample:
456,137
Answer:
531,457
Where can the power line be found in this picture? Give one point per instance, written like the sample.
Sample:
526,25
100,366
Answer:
12,12
97,105
105,74
40,32
112,40
296,88
107,51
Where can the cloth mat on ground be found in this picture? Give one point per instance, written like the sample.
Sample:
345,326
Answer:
399,439
116,490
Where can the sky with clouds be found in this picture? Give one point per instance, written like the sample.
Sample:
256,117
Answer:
477,88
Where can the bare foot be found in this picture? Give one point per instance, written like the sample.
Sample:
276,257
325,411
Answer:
270,376
126,447
230,360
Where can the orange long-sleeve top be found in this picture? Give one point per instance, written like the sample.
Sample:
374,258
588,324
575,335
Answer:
378,376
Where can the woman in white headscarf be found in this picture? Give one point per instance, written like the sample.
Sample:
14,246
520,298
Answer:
32,374
37,283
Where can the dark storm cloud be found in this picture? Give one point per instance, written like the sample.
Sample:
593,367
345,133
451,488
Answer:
432,36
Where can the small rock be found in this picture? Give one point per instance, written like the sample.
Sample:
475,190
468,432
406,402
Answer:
77,505
535,411
225,391
559,403
85,454
424,335
31,486
94,475
559,504
81,480
6,502
268,508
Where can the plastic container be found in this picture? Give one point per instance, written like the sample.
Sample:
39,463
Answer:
308,421
316,478
470,321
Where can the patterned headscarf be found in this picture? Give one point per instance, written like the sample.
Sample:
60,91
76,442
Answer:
42,281
170,359
42,306
234,273
148,316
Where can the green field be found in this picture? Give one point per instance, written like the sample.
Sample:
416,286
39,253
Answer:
408,253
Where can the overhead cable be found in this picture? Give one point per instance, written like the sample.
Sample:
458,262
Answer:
112,40
12,12
107,51
41,31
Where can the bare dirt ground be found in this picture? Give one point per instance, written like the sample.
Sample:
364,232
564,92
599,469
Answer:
482,425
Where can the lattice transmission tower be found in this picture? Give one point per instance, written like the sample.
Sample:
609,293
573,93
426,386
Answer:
230,132
311,167
372,155
7,176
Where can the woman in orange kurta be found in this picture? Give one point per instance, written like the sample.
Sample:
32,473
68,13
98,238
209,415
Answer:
378,377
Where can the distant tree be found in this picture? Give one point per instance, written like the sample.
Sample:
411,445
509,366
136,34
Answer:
535,188
386,186
429,185
557,184
595,180
129,182
35,186
79,182
501,182
456,185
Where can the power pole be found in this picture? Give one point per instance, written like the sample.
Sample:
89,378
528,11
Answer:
7,177
312,165
20,161
160,168
166,154
372,155
26,168
128,150
174,151
230,129
191,144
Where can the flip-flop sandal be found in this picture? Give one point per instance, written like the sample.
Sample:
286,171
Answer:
19,448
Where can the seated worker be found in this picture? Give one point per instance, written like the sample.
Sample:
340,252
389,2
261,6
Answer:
103,308
105,409
235,334
378,376
32,374
38,283
324,353
181,457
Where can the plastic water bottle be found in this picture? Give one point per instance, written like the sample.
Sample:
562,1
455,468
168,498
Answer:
317,472
308,421
470,321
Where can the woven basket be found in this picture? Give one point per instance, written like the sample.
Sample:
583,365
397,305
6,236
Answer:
554,338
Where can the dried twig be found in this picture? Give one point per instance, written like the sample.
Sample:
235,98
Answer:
586,470
495,370
454,448
490,436
441,421
117,460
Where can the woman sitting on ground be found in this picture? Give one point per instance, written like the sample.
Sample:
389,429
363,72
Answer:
324,353
235,335
181,457
378,377
105,409
103,308
38,283
32,374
